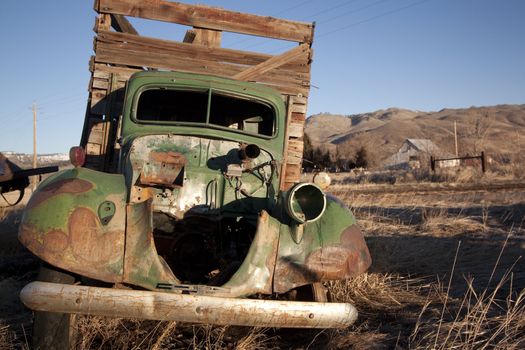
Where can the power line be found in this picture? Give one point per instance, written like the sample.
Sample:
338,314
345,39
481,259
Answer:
353,11
336,17
344,3
358,23
373,18
314,15
273,15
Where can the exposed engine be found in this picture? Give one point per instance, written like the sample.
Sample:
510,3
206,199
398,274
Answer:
203,249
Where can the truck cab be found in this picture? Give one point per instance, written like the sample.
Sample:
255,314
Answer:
186,188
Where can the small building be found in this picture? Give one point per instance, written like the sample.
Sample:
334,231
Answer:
415,153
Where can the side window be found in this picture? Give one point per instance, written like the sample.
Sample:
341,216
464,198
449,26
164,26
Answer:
173,106
242,114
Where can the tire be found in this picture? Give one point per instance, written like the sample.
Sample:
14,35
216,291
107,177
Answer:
53,330
310,292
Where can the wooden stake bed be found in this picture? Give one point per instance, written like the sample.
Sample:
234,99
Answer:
120,51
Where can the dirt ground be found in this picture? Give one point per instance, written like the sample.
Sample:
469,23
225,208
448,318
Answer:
447,272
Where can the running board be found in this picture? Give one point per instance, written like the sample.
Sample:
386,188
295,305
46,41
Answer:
76,299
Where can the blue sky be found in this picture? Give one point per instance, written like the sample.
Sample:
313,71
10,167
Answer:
369,55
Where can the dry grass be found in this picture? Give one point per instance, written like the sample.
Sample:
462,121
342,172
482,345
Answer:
10,339
438,222
417,295
116,333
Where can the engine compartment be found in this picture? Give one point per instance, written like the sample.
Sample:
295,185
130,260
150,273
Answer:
203,249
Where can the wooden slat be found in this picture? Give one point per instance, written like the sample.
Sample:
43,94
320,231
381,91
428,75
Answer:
300,100
210,18
293,161
282,181
299,108
189,36
298,117
189,51
104,71
97,83
121,24
93,149
293,173
295,129
207,37
296,146
288,84
98,104
129,55
272,63
102,23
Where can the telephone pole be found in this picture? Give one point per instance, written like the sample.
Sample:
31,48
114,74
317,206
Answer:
456,138
34,144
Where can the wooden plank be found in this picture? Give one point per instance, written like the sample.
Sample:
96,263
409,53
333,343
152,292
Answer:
210,18
293,173
272,63
207,37
189,36
102,23
104,71
98,104
298,117
100,80
296,145
185,50
93,149
300,100
121,24
288,84
295,129
298,108
96,137
141,58
97,83
289,103
293,161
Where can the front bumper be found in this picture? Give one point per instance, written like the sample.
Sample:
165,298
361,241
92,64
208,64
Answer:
76,299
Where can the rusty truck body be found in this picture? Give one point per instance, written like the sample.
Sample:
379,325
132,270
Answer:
186,191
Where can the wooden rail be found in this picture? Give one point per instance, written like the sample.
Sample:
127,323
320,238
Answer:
120,51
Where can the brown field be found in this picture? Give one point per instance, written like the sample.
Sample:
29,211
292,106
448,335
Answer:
448,273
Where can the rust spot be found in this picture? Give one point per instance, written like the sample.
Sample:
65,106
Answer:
56,249
88,240
56,241
334,262
169,157
164,168
342,261
62,186
26,236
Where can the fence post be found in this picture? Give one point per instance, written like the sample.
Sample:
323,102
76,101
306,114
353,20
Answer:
432,163
483,164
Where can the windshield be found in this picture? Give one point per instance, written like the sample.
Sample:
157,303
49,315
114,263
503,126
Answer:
206,107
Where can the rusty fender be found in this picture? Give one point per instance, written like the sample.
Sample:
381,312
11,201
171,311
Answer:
44,296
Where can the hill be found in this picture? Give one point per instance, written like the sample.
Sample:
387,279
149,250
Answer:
25,160
497,130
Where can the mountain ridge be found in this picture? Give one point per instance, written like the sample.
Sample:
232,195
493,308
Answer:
496,129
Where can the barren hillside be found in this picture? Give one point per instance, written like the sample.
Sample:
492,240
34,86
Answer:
497,130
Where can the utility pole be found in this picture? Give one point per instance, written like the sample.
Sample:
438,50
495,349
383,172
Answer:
34,144
456,138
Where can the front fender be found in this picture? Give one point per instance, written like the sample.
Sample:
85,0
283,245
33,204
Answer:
75,220
331,248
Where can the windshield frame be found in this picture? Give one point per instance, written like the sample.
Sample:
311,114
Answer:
207,125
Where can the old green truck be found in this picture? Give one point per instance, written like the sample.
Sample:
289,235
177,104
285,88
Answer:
184,202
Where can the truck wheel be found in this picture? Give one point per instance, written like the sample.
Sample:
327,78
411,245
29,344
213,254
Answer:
53,330
311,292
